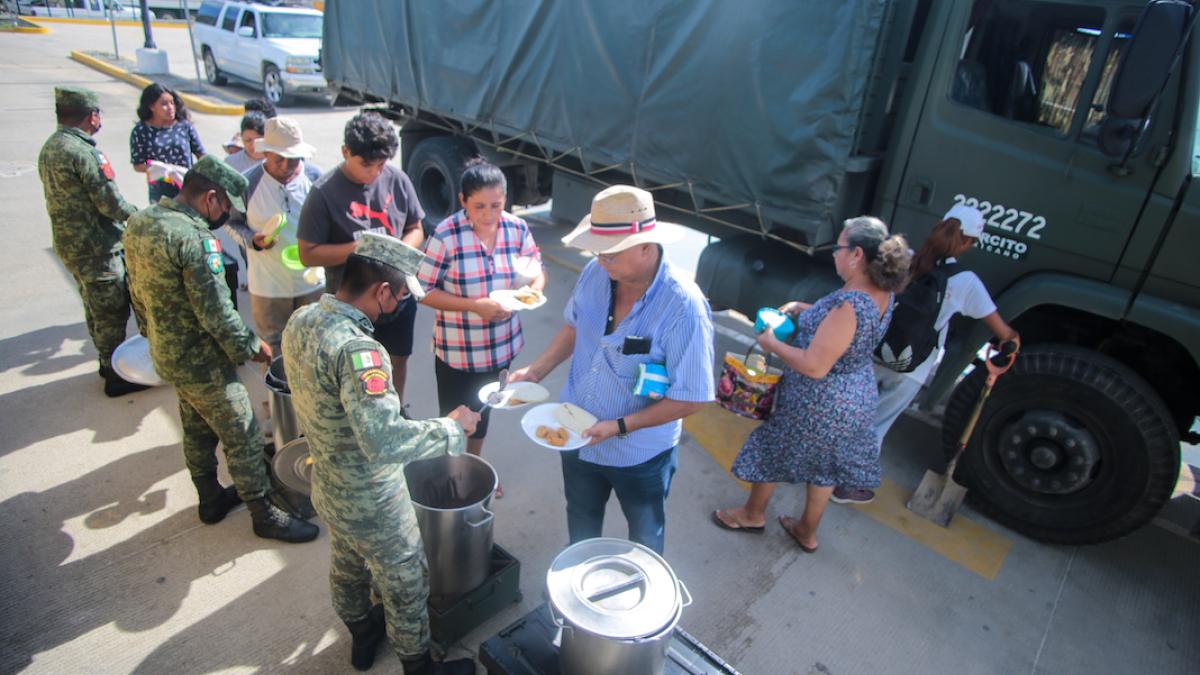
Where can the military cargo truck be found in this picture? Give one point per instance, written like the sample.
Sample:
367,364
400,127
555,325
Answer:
1071,124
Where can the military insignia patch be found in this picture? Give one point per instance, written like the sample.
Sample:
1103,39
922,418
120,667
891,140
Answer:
215,264
105,165
212,246
374,382
365,359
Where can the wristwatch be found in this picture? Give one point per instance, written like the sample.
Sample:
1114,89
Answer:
622,432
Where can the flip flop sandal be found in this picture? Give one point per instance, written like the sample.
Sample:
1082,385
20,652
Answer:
748,529
783,520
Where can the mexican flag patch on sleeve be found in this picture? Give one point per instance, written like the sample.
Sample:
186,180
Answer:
368,358
212,246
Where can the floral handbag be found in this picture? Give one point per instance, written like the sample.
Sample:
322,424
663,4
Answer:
747,385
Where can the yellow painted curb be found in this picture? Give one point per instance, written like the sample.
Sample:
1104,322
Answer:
197,103
25,29
105,22
966,543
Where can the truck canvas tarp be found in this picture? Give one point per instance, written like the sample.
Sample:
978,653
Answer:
718,94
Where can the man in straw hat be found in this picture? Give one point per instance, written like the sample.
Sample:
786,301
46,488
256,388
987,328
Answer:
630,308
197,339
360,439
87,215
274,198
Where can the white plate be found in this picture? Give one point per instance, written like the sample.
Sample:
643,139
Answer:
507,301
544,415
131,360
529,392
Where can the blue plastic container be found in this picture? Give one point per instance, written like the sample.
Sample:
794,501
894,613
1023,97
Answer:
769,316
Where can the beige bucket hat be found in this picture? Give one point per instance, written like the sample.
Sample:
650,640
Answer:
622,217
282,136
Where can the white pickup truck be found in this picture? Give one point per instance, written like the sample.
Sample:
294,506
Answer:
271,45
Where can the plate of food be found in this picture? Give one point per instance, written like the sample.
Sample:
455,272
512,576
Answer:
519,300
515,395
558,426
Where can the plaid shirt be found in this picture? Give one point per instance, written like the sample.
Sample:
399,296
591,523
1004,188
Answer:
456,262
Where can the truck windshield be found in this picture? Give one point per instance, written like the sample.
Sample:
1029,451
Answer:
280,25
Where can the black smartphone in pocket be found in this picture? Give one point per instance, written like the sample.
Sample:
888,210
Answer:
635,345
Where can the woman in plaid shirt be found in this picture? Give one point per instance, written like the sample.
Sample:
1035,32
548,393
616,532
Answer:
471,254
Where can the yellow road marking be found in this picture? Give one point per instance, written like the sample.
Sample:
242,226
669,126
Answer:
197,103
967,543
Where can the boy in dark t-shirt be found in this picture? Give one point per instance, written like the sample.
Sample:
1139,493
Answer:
365,194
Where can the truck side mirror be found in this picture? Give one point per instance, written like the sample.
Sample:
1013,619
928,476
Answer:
246,31
1148,61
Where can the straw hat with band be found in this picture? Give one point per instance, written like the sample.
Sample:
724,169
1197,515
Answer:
282,136
622,217
394,253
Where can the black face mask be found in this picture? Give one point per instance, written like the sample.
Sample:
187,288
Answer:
221,219
391,316
214,224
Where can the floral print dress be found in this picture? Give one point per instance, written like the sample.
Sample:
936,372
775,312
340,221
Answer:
821,431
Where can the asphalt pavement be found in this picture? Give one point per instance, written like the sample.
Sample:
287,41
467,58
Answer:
104,567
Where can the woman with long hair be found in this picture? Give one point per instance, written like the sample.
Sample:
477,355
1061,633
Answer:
820,432
965,294
164,142
480,249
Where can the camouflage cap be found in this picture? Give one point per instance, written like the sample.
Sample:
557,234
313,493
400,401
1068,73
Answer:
395,253
223,176
76,98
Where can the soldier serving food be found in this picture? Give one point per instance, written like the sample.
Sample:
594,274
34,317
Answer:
343,393
197,338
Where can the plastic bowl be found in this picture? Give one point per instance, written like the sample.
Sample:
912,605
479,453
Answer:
769,317
290,257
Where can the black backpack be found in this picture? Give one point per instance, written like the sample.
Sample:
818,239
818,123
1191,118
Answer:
911,337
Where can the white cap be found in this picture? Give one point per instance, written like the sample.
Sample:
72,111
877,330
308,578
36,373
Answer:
970,220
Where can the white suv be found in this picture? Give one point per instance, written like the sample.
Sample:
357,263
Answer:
272,45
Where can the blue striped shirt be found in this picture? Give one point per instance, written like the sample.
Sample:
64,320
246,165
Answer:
676,318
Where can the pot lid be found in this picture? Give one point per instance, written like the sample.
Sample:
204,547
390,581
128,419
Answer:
293,466
613,588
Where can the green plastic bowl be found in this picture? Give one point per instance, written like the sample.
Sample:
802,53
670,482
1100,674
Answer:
290,256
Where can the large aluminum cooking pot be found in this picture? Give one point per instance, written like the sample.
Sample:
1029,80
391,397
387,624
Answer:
617,604
451,495
285,425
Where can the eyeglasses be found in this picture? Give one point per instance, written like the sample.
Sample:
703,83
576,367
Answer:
838,247
608,258
402,296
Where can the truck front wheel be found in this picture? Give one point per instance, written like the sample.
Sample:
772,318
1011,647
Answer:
211,72
1072,447
435,167
273,87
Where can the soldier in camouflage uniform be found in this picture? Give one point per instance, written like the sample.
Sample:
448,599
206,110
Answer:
86,215
341,383
197,338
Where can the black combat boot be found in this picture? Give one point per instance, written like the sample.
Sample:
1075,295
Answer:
272,522
115,385
366,635
215,501
425,665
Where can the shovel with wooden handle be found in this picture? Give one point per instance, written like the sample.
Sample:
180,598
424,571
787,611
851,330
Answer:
939,496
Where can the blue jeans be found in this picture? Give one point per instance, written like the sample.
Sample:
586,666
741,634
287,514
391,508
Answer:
641,490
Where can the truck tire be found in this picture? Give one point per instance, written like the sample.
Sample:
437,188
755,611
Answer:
273,88
435,167
211,72
1072,447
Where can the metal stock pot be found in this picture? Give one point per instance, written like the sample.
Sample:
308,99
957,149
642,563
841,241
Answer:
617,604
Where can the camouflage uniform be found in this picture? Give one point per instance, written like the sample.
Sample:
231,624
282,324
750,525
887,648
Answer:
86,211
341,382
197,338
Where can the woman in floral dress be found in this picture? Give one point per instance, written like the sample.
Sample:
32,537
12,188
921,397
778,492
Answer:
821,431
